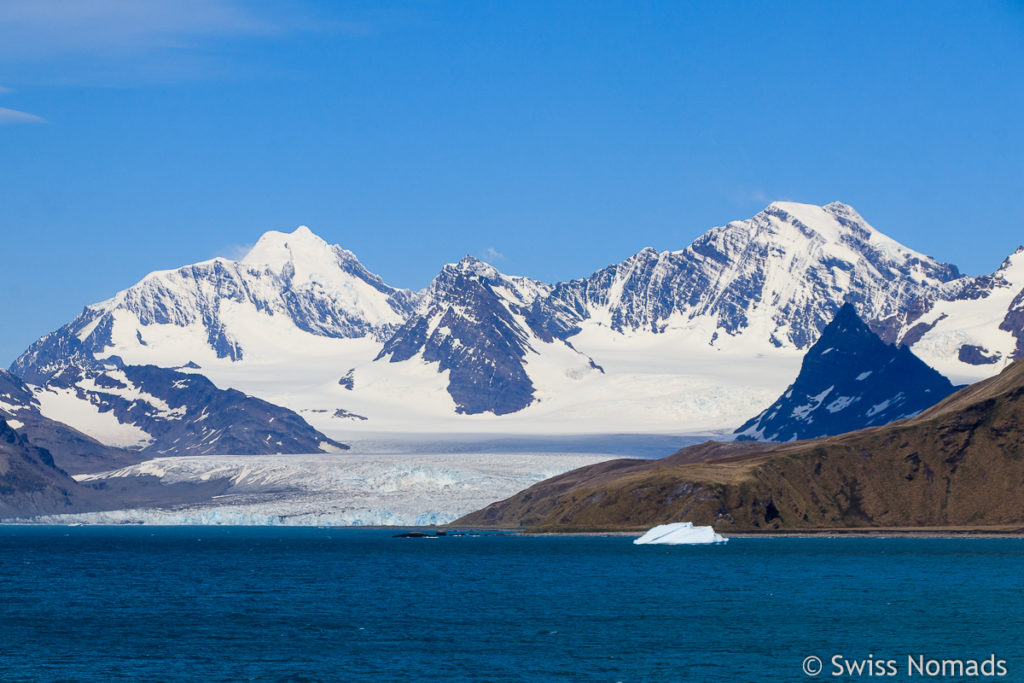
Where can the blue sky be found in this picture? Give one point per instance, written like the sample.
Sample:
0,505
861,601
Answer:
550,138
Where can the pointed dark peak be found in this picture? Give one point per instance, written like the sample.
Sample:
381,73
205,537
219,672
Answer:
849,379
638,263
845,323
847,316
846,337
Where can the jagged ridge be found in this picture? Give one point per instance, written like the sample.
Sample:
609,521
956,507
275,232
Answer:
774,279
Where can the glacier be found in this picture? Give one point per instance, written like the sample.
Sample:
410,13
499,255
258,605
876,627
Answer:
368,489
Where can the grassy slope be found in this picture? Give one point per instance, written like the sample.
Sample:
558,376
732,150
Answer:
959,464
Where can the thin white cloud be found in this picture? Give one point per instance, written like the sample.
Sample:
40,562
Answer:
744,196
492,254
48,28
5,91
43,29
235,252
8,116
128,42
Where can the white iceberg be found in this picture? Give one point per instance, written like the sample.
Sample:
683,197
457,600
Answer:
680,533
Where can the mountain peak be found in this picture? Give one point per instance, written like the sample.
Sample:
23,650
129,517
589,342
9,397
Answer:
786,205
275,248
839,223
472,265
846,320
1014,260
849,379
840,207
816,219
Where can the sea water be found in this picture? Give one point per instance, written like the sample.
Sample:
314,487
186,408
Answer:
308,604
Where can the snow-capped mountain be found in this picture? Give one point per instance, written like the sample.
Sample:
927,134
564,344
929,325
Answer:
72,450
476,326
694,339
777,277
849,379
972,327
156,411
293,281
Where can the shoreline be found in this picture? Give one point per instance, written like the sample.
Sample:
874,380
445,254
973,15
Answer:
992,531
889,532
882,532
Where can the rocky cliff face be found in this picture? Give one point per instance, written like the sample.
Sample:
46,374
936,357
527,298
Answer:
849,379
477,326
779,275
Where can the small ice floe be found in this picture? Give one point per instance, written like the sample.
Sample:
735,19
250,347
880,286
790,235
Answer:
680,533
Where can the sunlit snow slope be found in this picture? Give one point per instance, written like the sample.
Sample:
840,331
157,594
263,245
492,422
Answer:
690,340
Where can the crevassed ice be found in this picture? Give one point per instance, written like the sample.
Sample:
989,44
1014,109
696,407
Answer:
332,490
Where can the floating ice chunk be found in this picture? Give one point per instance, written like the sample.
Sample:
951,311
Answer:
680,533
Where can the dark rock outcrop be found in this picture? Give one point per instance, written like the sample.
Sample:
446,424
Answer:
477,329
849,379
184,413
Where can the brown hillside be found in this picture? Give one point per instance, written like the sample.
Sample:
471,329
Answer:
958,464
30,483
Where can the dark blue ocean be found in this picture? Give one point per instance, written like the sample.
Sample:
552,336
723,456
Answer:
273,604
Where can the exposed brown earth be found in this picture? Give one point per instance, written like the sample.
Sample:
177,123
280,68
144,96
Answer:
958,465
